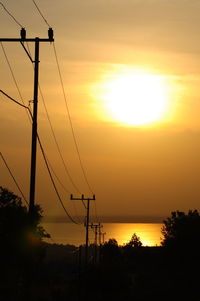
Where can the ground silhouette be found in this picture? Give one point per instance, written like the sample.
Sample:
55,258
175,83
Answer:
128,272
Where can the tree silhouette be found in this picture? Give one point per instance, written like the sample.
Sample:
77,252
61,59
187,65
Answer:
17,236
182,230
134,242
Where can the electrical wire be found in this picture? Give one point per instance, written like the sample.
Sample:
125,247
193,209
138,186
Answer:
70,120
22,194
54,136
57,145
12,73
45,106
68,113
8,168
45,159
23,105
15,81
11,15
41,13
17,102
13,77
52,180
58,148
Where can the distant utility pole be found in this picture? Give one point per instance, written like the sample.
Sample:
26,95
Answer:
87,221
103,235
37,41
100,233
97,231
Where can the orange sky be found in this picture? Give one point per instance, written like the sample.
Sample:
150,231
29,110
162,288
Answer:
133,170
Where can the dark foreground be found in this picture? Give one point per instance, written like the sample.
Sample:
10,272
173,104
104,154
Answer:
113,273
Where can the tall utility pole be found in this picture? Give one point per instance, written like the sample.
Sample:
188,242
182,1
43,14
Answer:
37,41
86,222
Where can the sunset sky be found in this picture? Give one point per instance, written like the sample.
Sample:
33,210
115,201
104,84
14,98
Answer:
111,53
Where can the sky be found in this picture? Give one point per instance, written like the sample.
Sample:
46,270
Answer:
134,170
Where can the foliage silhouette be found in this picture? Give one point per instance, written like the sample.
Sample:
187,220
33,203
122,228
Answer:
182,230
134,242
17,235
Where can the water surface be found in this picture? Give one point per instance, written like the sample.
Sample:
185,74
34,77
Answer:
68,233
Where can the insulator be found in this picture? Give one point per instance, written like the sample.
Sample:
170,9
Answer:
23,33
50,34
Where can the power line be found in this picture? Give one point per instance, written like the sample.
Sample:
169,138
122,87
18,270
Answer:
13,77
57,145
22,97
22,194
11,71
70,121
15,81
52,180
68,113
17,102
11,15
45,159
46,162
4,160
54,136
41,13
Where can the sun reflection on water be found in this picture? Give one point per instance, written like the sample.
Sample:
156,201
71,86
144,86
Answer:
150,234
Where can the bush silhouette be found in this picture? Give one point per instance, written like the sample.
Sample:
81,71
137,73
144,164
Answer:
182,230
17,235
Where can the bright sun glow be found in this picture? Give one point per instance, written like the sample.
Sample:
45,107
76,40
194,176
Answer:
135,98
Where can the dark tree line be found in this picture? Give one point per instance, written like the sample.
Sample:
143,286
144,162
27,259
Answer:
129,272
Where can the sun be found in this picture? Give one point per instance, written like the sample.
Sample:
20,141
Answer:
135,98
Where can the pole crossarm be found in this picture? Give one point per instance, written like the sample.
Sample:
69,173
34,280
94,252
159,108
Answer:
26,40
82,198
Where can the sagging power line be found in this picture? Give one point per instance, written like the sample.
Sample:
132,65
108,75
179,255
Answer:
30,114
66,104
53,134
75,141
13,177
17,185
45,159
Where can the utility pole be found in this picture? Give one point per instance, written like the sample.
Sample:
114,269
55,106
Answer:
95,227
36,41
99,228
87,221
97,231
103,235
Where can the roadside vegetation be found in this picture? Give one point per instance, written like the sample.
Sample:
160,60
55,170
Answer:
32,269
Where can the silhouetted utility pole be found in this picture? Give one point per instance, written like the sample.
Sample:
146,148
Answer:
99,228
103,235
86,222
97,231
37,41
